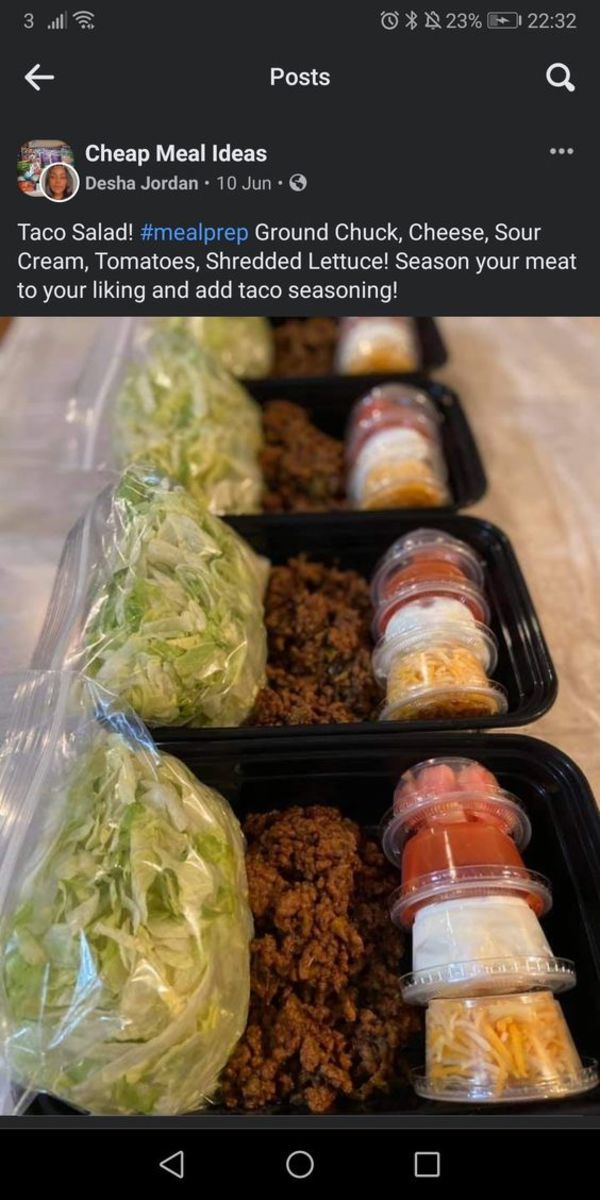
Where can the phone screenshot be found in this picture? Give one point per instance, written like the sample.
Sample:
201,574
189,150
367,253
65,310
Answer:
299,843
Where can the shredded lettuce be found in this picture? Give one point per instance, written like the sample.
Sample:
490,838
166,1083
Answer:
243,345
125,960
176,628
180,412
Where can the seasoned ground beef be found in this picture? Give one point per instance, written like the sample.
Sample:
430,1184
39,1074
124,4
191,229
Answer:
319,647
326,1018
303,468
306,347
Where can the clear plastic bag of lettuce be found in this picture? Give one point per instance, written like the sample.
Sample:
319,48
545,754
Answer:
180,412
243,345
162,604
124,918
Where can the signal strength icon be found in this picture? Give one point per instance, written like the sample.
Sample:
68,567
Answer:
59,22
84,18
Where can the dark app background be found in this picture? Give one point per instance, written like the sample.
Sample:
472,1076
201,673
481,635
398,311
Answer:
450,127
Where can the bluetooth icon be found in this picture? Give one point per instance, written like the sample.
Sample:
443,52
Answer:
412,20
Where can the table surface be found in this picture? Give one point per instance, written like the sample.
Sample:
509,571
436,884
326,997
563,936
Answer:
530,388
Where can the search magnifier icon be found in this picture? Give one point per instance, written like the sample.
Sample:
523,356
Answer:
559,75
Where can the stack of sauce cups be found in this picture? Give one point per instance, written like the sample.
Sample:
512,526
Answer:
434,651
394,451
481,962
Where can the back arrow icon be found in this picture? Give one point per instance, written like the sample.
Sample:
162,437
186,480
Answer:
174,1165
32,78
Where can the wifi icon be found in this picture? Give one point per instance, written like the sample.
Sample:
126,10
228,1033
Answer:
84,19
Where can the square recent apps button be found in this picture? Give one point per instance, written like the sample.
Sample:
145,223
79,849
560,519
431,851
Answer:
428,1164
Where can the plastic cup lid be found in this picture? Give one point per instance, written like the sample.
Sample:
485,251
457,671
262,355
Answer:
489,976
427,543
471,636
458,883
450,778
433,777
502,811
555,1088
405,395
423,594
480,702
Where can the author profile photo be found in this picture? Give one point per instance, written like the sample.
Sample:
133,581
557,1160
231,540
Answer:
59,182
36,154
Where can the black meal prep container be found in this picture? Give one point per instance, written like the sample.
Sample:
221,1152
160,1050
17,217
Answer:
358,776
328,402
524,668
355,767
433,348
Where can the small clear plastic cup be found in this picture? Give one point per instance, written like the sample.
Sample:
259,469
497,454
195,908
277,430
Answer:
435,616
447,704
469,635
405,484
396,445
449,789
501,1050
557,1087
389,406
425,549
460,883
450,776
370,345
451,847
502,813
472,928
439,675
488,977
427,614
396,466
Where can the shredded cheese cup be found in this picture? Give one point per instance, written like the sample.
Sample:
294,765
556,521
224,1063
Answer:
499,1044
402,484
434,667
437,678
447,702
370,345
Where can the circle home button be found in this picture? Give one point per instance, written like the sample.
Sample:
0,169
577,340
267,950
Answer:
300,1164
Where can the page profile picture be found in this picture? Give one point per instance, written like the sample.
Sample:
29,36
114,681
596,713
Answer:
58,182
36,154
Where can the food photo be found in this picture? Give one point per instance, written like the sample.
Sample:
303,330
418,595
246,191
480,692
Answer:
297,716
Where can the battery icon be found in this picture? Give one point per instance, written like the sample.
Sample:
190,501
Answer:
504,20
